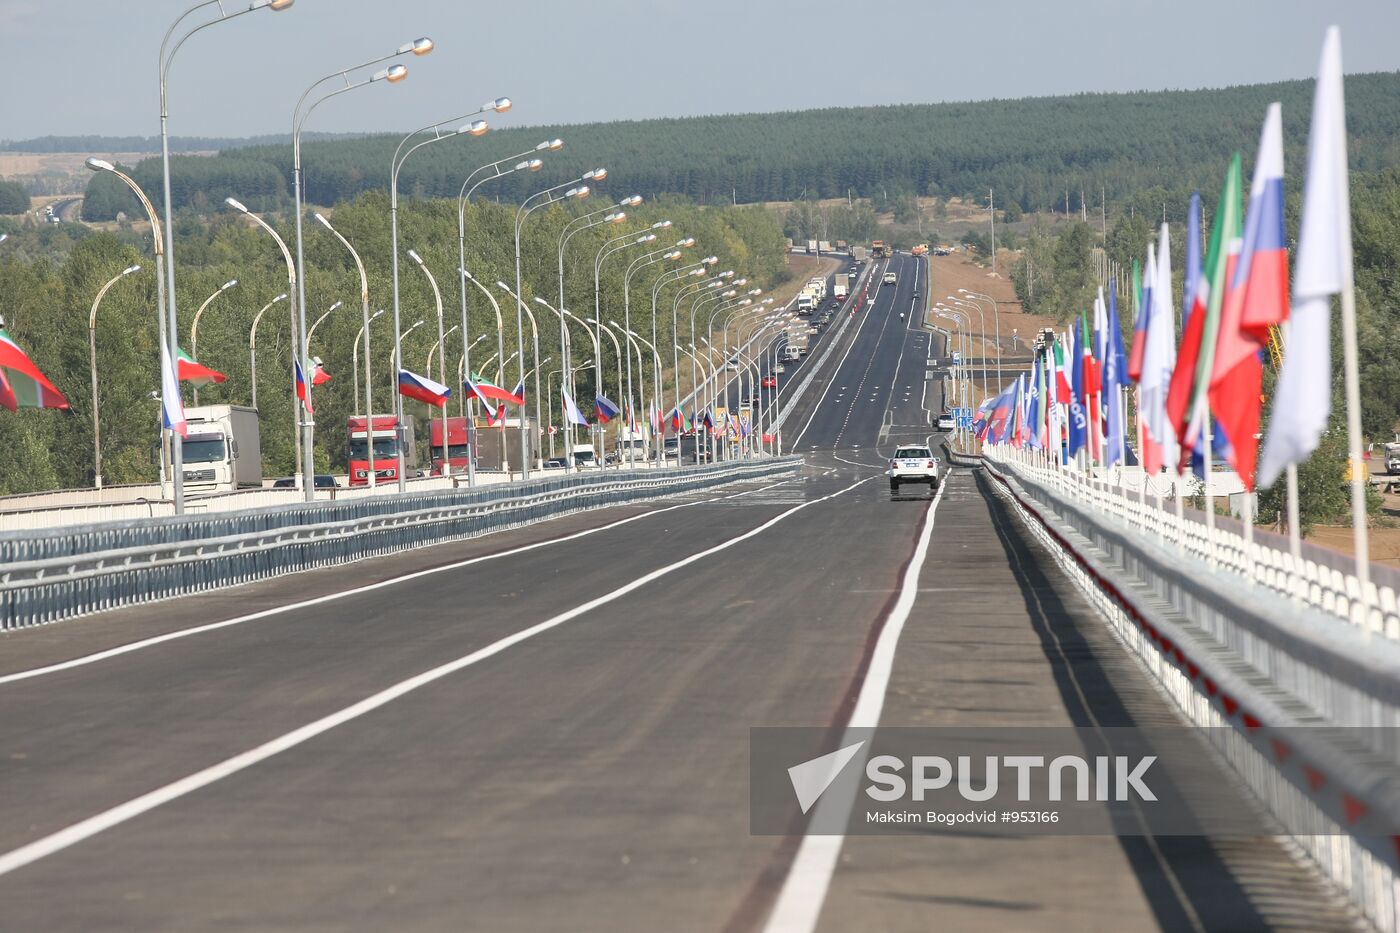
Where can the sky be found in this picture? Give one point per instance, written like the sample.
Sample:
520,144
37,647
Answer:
80,67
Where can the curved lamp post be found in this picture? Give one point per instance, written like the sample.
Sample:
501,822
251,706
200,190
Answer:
92,355
162,318
355,354
563,192
475,128
194,328
441,338
365,318
304,470
169,328
253,345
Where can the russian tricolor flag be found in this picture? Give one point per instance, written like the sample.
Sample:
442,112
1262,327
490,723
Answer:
607,409
303,392
1256,301
414,386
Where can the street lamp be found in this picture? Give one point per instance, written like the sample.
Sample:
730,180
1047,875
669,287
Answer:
365,318
501,353
168,356
570,189
996,313
535,355
698,269
661,255
475,180
324,314
369,408
253,345
599,330
442,337
92,355
194,328
391,75
396,354
306,470
169,326
475,128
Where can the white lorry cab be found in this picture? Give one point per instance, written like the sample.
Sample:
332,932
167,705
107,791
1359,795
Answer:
222,450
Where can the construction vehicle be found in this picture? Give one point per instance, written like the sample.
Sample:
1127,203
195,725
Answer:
878,250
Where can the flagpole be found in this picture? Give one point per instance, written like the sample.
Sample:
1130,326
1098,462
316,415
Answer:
1360,542
1295,534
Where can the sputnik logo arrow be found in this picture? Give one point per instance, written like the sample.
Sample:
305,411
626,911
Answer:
811,778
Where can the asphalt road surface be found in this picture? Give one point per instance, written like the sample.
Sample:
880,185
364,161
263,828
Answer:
547,729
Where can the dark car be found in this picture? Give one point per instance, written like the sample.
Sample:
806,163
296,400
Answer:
322,481
554,463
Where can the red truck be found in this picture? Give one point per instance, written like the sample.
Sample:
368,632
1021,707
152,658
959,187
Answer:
458,448
385,439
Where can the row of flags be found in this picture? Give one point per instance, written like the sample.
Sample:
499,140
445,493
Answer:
1201,394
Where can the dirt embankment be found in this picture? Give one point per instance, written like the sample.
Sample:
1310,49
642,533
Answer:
1018,329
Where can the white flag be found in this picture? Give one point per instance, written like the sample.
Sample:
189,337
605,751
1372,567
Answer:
172,406
571,413
1159,353
1303,396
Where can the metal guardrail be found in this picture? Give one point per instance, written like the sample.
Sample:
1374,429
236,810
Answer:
1303,705
74,571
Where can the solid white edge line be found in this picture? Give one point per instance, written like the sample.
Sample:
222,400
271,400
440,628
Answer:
85,829
803,894
154,640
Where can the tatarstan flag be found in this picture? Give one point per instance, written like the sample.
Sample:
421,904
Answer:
189,370
1187,403
22,385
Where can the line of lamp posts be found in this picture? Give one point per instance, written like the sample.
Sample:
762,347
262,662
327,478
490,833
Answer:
346,80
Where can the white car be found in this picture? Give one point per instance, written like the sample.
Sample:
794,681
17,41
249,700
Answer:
947,421
913,463
891,278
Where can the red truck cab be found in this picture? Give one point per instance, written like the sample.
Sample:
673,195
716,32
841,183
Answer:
458,445
384,437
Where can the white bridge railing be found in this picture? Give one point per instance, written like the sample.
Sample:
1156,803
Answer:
1282,663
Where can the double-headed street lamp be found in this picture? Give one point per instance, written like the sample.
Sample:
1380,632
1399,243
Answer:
391,75
662,255
569,189
475,128
996,313
92,354
165,266
480,176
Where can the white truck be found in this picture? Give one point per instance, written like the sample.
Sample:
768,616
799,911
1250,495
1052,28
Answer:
841,286
222,449
811,246
633,446
792,353
817,286
806,303
913,463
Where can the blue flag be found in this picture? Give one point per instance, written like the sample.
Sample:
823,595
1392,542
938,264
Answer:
1078,415
1113,382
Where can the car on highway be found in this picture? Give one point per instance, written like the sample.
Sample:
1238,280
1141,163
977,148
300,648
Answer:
891,278
770,382
947,421
585,458
555,463
734,363
779,368
913,463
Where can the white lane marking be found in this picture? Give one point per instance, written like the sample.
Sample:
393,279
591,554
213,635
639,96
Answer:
842,362
331,597
86,829
804,890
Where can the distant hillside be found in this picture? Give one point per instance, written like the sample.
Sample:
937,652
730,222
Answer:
152,143
1134,147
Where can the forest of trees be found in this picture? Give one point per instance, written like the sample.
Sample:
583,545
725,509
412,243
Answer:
50,273
1137,150
14,199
